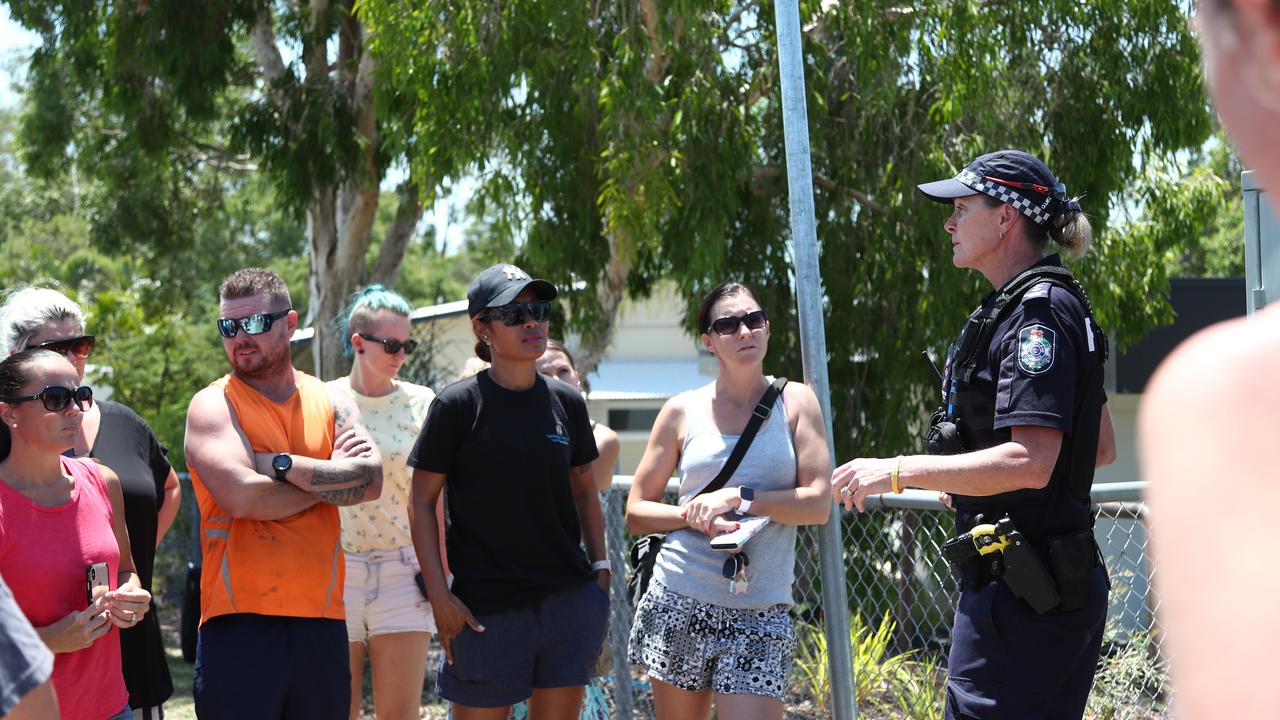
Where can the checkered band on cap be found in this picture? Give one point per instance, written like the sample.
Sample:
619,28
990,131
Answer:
1009,195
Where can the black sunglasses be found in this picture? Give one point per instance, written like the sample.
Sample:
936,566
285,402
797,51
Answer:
252,325
391,345
56,398
729,325
514,313
80,346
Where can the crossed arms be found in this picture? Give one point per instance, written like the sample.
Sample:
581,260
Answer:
242,481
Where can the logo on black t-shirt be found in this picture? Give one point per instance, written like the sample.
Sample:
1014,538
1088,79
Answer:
559,435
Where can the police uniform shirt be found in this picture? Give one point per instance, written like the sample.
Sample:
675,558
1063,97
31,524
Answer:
1042,368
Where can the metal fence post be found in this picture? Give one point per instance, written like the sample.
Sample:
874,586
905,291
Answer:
813,340
620,609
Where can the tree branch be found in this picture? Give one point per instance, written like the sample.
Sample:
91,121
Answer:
391,256
656,66
315,45
267,53
764,181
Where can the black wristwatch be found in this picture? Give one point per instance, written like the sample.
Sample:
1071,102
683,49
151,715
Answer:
281,464
748,496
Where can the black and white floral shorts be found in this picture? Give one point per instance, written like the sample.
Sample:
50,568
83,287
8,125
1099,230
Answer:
699,646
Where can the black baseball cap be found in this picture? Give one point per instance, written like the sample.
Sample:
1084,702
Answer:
1010,176
499,285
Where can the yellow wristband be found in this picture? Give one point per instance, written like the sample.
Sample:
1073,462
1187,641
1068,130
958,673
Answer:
893,479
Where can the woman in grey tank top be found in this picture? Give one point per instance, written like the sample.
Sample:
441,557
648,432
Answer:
699,637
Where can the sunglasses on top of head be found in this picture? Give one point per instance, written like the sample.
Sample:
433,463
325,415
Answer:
729,324
252,325
391,345
514,314
56,398
80,346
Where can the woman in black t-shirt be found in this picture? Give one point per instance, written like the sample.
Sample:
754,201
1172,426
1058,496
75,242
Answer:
113,434
526,613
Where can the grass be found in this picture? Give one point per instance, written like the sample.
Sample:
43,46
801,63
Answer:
181,705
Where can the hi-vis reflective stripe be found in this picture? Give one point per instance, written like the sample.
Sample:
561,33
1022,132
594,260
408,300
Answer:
225,569
226,581
333,577
1088,331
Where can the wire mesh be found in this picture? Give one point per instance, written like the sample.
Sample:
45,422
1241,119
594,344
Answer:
902,599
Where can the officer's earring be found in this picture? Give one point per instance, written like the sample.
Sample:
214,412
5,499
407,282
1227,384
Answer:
1001,236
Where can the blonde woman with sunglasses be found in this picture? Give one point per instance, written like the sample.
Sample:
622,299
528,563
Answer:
64,547
388,617
116,436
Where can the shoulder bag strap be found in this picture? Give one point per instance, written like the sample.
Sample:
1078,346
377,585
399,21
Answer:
758,416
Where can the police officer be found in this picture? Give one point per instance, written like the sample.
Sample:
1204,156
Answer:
1023,425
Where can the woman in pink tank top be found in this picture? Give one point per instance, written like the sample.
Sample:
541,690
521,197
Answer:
64,549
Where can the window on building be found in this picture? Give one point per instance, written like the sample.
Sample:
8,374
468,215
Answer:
622,419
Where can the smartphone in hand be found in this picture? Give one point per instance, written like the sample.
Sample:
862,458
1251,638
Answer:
735,539
97,581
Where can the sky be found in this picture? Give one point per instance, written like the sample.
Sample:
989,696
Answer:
15,44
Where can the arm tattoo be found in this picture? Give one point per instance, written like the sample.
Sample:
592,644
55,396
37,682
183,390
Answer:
361,476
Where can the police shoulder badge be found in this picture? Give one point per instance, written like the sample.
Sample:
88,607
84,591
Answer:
1035,349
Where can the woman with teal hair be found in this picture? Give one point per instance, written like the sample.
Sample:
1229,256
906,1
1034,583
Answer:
388,618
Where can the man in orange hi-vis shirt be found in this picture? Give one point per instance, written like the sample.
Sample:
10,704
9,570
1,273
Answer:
272,453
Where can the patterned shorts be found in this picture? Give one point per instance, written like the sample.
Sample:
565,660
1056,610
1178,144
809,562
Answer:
698,646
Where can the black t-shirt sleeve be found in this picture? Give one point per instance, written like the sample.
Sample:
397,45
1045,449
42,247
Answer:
158,459
584,442
436,448
1037,361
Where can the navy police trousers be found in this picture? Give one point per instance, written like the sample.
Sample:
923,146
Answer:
1008,663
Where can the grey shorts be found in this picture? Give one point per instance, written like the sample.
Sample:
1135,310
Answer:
698,646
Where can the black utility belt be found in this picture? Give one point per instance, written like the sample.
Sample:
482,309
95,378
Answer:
1054,574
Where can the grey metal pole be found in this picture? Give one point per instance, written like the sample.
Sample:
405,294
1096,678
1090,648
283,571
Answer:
620,610
813,341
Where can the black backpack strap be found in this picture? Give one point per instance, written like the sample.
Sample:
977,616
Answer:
758,416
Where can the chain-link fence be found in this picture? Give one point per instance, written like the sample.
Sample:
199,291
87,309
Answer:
902,599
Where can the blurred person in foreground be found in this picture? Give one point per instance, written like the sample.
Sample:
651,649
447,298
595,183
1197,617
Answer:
64,547
26,664
116,436
1208,421
388,617
273,453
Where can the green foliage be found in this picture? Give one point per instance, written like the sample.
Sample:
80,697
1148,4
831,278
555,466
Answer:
1206,195
895,684
622,143
1131,679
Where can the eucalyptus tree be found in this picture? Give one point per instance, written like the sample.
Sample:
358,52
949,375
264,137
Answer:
626,142
144,101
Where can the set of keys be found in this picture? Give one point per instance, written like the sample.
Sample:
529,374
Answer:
735,570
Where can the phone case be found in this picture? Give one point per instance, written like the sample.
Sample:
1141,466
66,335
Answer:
734,539
95,577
